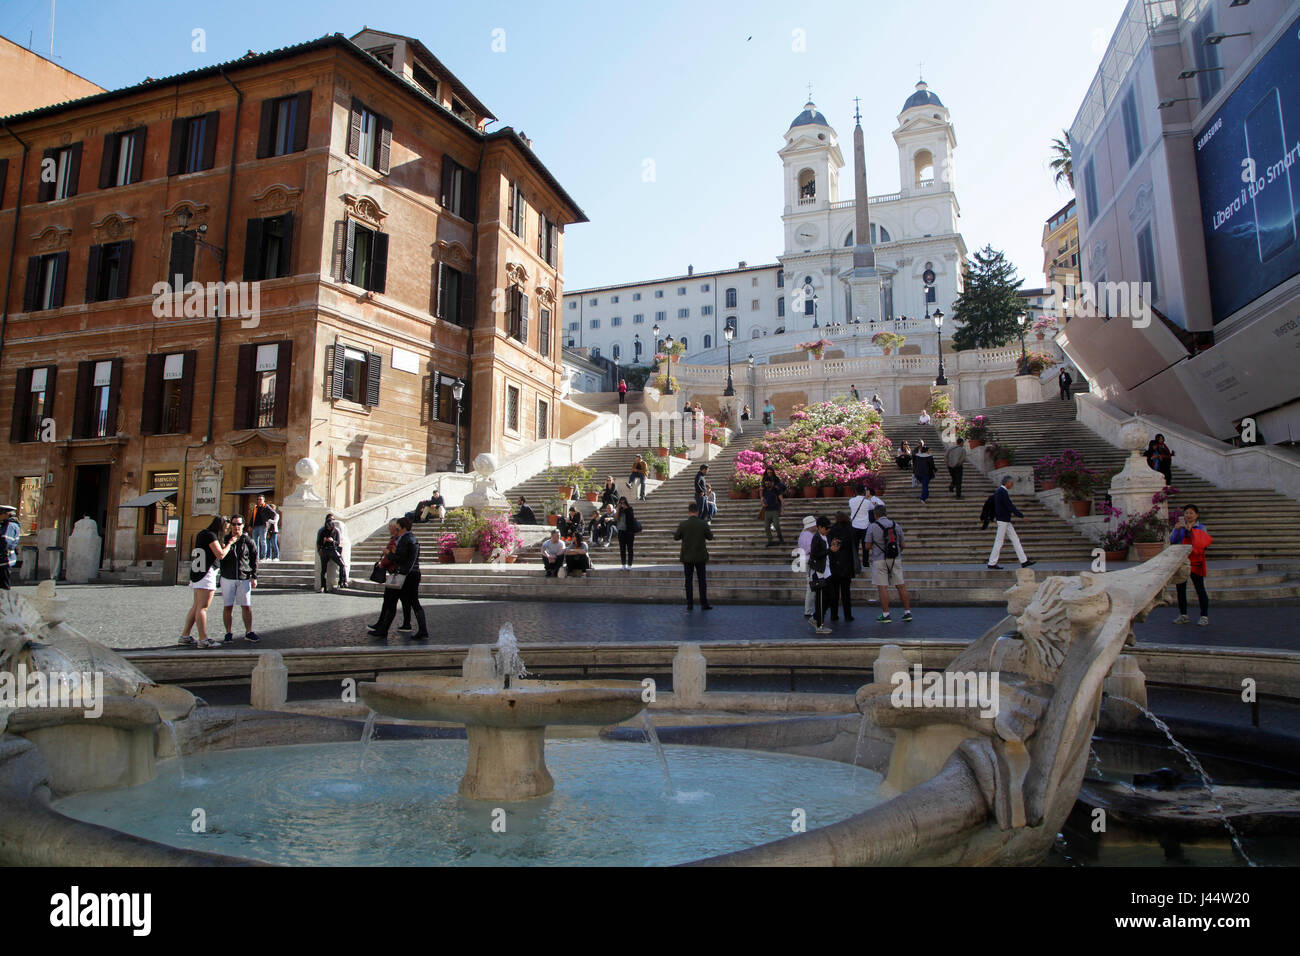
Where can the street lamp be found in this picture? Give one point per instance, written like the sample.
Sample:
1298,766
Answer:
816,298
938,327
1022,326
457,391
668,357
729,333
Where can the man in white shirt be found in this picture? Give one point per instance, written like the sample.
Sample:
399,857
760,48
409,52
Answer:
552,553
861,508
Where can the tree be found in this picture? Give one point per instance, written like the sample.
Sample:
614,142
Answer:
1063,160
989,302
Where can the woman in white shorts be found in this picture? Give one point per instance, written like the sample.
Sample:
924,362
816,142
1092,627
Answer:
205,563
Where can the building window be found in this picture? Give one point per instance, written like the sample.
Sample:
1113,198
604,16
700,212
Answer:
661,316
681,290
595,351
780,307
547,239
1147,260
730,323
356,375
1132,128
636,296
780,279
809,306
459,189
284,123
544,333
708,341
572,304
572,343
46,277
262,384
616,351
613,299
168,394
517,317
753,281
683,313
659,293
193,145
636,350
365,256
543,419
683,341
706,310
1090,191
573,326
123,159
452,304
108,271
158,514
518,210
370,138
753,306
704,287
98,387
444,399
30,496
594,324
616,320
1209,79
512,408
593,302
638,319
267,248
60,173
33,402
731,298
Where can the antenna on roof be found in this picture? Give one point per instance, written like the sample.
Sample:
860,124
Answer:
51,29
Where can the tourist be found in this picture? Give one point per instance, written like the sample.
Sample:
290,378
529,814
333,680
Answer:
609,494
385,566
744,414
1065,380
1189,530
887,563
553,553
570,525
925,418
861,507
639,471
702,490
622,391
710,503
804,545
273,535
769,412
433,507
955,459
525,514
577,559
602,526
207,554
628,528
923,468
853,390
9,533
772,488
405,578
329,545
877,404
843,567
819,572
1160,458
261,515
904,461
1003,510
238,578
694,555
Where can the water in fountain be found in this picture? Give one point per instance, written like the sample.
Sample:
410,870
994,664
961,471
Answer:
648,728
857,749
1195,764
509,664
176,745
367,733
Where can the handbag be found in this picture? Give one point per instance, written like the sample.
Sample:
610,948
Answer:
818,583
395,580
762,512
378,574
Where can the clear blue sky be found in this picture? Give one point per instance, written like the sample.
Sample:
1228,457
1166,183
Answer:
705,89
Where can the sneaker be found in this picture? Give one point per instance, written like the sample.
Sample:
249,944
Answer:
562,573
1204,622
407,627
811,623
824,630
187,640
252,637
229,638
1026,564
209,642
995,567
1182,619
907,615
885,619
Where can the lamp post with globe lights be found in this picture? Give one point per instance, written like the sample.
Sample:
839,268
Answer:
938,318
1022,326
457,392
729,333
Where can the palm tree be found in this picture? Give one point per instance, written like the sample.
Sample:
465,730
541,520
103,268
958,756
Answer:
1063,163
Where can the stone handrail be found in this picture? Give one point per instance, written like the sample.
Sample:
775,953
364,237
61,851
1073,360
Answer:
1252,467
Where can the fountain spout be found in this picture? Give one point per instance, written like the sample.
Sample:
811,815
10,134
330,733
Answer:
509,665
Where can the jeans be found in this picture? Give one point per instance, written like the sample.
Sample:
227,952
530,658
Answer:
626,542
1202,598
925,486
698,568
638,479
552,566
258,534
860,546
701,504
956,475
772,522
325,558
273,546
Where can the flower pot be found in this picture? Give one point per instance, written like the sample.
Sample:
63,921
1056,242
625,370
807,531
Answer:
1040,336
842,491
1048,485
564,491
511,558
1148,549
552,520
445,559
828,491
661,452
1115,557
735,495
1081,508
755,494
809,492
974,443
888,351
1001,462
593,495
463,555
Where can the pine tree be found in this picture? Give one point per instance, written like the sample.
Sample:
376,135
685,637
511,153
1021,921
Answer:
989,302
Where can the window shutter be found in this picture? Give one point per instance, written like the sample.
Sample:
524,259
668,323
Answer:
448,167
510,206
33,279
137,154
74,168
336,377
285,226
552,244
385,144
466,317
469,205
302,121
378,262
123,283
176,150
45,189
182,259
354,131
114,398
350,250
92,272
244,385
151,403
107,162
374,371
253,250
441,295
82,412
340,250
541,235
283,378
523,318
22,387
51,379
266,129
210,139
60,278
186,411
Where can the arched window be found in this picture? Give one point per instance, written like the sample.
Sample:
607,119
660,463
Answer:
731,298
616,352
595,351
923,164
807,184
756,333
683,341
849,241
884,235
708,341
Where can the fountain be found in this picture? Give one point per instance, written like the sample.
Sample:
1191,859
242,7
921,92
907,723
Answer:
505,717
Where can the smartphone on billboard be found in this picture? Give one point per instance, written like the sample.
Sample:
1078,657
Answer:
1274,205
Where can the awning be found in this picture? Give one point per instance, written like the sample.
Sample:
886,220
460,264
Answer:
250,491
148,499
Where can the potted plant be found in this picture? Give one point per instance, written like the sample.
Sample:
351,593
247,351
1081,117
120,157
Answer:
660,466
815,349
577,476
1003,455
446,543
742,484
888,341
1150,534
555,508
1078,483
498,533
1044,327
1038,362
1045,472
976,431
466,526
1116,544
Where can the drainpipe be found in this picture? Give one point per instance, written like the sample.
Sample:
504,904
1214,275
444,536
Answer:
469,339
13,243
225,245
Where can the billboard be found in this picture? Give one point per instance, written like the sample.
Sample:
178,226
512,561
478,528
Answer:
1248,167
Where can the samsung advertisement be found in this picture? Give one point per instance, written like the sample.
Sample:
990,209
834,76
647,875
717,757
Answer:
1248,166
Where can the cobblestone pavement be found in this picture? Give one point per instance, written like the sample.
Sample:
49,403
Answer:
152,616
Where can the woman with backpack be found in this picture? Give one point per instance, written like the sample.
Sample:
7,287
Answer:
923,468
1189,530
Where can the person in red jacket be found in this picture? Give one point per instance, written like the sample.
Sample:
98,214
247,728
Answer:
1189,530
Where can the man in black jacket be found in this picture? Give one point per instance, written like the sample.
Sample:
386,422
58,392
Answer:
525,514
1003,510
843,567
329,547
238,578
772,490
406,559
701,489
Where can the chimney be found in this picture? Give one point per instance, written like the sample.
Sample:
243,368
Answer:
742,264
690,270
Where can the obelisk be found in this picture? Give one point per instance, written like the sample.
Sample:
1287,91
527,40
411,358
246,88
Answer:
864,284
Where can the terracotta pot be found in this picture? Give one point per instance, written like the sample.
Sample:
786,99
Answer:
661,452
974,443
445,559
1041,336
1148,549
463,555
888,351
1048,485
564,491
1081,508
755,494
735,495
593,495
511,558
808,492
552,520
843,491
1115,557
1001,462
828,491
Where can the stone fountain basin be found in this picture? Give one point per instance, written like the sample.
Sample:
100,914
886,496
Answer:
527,703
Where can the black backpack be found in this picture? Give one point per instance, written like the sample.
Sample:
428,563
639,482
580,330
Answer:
988,512
889,546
